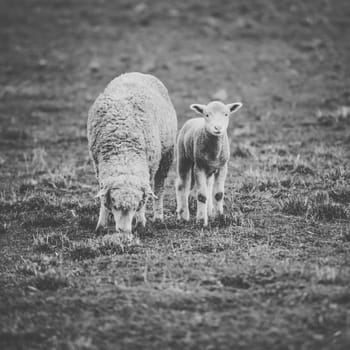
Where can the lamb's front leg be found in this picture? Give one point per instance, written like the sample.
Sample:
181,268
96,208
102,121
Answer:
210,183
218,190
202,195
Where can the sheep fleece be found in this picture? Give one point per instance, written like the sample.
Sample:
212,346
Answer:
133,118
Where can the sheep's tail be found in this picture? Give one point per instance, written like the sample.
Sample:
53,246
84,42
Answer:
192,177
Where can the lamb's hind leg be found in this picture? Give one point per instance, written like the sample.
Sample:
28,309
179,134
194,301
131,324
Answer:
183,187
159,181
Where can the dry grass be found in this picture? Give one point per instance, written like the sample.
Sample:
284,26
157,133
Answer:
271,273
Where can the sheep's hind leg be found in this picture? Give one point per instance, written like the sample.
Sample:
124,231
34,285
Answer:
202,196
218,191
183,187
159,180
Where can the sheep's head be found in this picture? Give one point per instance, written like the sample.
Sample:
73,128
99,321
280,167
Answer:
123,202
216,115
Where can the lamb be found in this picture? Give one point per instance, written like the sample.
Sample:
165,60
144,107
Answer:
203,152
131,131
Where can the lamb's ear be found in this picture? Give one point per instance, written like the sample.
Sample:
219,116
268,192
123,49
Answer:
200,109
234,107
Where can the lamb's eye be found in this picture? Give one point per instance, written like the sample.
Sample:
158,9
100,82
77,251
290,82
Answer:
226,115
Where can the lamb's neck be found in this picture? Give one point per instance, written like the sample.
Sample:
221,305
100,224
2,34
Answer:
213,144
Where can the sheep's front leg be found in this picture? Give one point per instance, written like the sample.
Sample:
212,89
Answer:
218,190
140,217
103,216
202,195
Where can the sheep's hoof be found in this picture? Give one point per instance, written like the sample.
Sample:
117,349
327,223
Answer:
140,221
124,236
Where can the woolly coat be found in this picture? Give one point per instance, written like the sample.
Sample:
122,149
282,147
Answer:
132,129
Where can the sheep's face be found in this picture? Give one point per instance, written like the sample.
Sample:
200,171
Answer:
216,115
124,203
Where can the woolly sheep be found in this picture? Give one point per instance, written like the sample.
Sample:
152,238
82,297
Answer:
202,154
132,129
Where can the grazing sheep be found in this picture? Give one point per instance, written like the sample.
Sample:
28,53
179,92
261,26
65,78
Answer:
132,129
203,151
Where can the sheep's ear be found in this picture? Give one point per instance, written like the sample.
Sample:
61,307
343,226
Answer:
200,109
234,107
148,192
151,193
101,193
104,192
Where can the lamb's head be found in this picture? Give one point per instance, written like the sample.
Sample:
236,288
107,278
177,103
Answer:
216,115
123,202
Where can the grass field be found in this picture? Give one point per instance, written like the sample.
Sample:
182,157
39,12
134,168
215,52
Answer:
273,273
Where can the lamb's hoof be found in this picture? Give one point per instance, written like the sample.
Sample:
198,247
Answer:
202,222
182,216
158,223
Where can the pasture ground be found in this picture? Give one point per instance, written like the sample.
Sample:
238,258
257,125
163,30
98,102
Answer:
273,273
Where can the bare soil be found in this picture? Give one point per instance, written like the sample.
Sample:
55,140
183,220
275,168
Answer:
273,273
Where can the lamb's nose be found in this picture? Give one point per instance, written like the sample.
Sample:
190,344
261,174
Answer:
217,128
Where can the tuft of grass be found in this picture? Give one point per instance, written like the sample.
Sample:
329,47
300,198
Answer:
49,243
327,274
230,218
35,162
37,264
106,245
52,279
338,173
260,180
87,222
84,250
340,194
239,281
340,115
294,205
14,134
44,219
319,206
